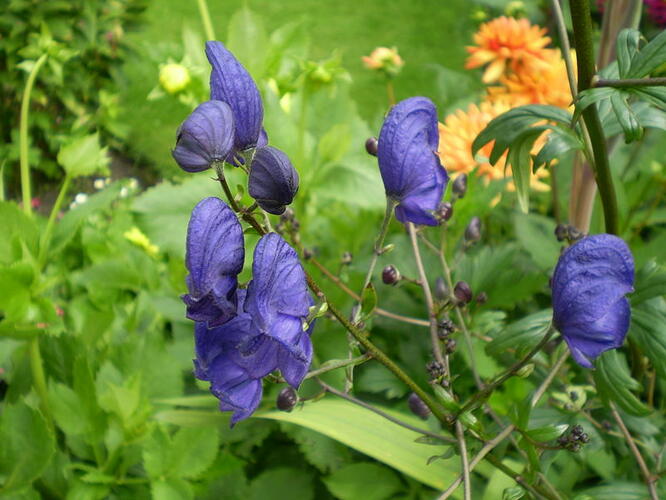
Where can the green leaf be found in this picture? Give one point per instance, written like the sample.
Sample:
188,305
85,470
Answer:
369,433
614,383
321,451
618,490
282,482
27,446
16,227
521,335
83,156
192,418
650,282
547,433
193,451
649,57
520,159
368,301
335,143
588,97
67,409
248,40
171,489
536,234
626,49
377,379
559,142
648,330
625,116
363,480
654,95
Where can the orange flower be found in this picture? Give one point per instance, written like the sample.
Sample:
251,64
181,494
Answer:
547,85
507,42
384,59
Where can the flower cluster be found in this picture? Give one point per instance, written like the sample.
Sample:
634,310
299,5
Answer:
521,69
407,154
242,335
589,285
228,128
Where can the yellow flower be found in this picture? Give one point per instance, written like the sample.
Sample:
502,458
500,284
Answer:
505,44
134,235
457,134
547,85
384,59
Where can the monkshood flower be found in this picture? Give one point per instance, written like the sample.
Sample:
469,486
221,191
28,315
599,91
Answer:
214,257
273,180
205,137
278,301
589,285
231,83
412,174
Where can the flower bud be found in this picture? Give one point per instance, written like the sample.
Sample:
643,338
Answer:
482,298
174,77
445,328
561,232
273,180
390,275
385,60
371,146
205,137
418,407
473,230
462,292
459,186
444,211
450,346
287,399
441,290
307,254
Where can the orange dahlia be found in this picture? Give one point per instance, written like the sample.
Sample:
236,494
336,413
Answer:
504,43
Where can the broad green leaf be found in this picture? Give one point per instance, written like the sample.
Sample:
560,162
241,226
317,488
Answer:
648,330
536,234
16,227
614,383
648,116
156,452
335,143
282,482
193,451
369,433
171,489
364,480
326,454
650,282
523,334
649,57
83,156
614,491
374,378
248,40
625,116
27,446
626,49
67,409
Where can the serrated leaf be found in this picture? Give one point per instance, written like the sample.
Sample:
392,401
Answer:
193,451
171,489
83,156
625,116
614,383
363,480
321,451
626,49
335,143
523,334
649,57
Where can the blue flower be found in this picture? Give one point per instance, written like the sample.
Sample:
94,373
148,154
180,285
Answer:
206,136
589,285
273,180
231,83
278,301
214,257
409,165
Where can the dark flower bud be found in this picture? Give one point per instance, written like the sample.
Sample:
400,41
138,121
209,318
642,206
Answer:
273,180
444,211
418,407
205,137
441,290
473,230
435,369
459,186
482,298
371,146
462,292
287,399
445,328
347,258
307,254
390,275
450,346
561,232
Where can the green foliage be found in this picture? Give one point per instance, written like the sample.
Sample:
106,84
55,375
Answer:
363,480
614,383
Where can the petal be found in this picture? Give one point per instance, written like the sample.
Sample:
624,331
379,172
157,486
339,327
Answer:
416,207
294,368
230,82
273,180
236,391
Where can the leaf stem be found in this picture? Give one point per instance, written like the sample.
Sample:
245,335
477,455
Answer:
631,82
582,28
379,242
23,135
46,236
205,19
334,364
247,217
39,379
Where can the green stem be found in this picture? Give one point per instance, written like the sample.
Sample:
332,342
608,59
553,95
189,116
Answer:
23,135
46,237
631,82
379,242
39,379
582,28
334,364
205,19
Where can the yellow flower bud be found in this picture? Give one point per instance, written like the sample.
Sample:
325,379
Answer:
174,77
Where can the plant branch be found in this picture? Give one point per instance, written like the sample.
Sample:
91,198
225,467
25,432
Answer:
582,28
205,19
46,236
467,484
247,217
650,480
383,414
24,160
631,82
334,364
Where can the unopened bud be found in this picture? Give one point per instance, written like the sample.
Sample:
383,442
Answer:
371,146
441,290
287,399
462,292
473,230
444,211
450,346
390,275
347,258
482,298
307,253
561,232
459,186
418,407
445,328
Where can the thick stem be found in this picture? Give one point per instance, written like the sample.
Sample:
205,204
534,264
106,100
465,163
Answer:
205,19
26,192
467,483
582,28
631,82
46,237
